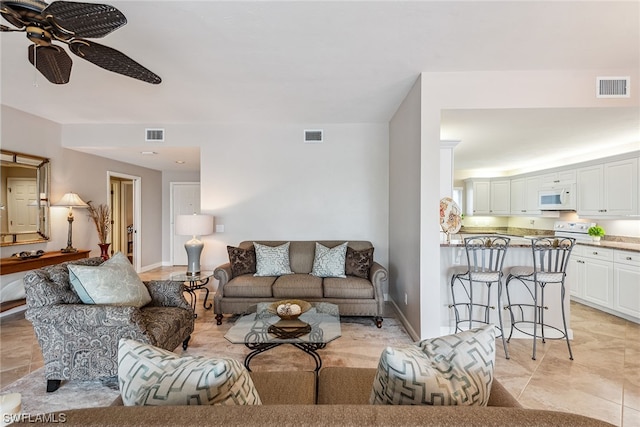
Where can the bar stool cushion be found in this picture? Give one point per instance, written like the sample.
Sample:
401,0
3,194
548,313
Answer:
526,273
450,370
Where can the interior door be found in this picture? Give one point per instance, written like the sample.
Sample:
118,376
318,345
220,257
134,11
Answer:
125,215
22,212
185,200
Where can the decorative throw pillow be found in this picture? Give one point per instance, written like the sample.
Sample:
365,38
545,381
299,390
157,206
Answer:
451,370
150,376
272,261
114,282
329,262
243,261
358,263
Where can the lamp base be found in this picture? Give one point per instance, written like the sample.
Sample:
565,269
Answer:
68,250
194,249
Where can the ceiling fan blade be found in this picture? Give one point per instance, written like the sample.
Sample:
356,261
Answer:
52,61
84,19
112,60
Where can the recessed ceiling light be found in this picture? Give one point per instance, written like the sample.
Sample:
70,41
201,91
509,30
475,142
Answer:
180,162
148,153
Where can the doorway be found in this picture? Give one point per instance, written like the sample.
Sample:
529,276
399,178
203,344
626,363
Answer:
185,200
125,216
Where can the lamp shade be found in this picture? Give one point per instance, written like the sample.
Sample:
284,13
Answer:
194,225
71,200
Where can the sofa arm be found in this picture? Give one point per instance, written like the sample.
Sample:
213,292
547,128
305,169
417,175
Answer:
378,274
167,293
223,274
83,316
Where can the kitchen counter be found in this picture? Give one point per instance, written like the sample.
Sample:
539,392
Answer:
457,240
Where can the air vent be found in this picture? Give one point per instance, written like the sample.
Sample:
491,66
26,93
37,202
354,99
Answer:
612,87
313,136
154,135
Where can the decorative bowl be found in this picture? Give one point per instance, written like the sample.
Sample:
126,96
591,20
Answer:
304,306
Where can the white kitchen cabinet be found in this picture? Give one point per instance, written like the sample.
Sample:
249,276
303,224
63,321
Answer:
488,197
576,271
558,179
626,283
500,197
596,275
524,195
609,189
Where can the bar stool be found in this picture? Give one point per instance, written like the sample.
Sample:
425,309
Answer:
550,260
485,256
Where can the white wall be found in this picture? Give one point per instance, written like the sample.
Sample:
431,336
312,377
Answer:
262,182
404,208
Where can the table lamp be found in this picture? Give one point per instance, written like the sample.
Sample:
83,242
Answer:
70,200
194,225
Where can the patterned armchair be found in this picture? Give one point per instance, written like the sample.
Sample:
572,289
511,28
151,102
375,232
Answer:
80,341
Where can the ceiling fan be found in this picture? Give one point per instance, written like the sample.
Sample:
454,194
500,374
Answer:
70,23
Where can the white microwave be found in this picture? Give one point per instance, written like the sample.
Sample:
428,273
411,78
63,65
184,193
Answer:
558,199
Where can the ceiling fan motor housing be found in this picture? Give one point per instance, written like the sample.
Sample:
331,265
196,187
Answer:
38,35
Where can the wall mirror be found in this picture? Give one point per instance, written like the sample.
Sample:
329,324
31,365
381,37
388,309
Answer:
24,198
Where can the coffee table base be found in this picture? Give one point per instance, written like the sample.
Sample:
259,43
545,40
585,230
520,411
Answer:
309,348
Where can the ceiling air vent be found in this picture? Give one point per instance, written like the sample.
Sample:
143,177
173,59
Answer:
612,87
313,136
154,135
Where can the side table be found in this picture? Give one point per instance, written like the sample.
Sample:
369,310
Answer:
192,284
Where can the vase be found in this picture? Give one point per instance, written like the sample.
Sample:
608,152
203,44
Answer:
595,238
104,250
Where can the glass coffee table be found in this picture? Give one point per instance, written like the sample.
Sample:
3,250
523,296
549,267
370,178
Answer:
261,331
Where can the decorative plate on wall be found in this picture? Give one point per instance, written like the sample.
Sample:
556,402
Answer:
450,216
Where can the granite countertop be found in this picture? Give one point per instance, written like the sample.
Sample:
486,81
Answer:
522,242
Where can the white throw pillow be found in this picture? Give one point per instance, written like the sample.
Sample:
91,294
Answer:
451,370
272,261
114,282
151,376
329,262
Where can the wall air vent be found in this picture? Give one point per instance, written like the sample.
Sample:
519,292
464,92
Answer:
154,135
612,87
313,136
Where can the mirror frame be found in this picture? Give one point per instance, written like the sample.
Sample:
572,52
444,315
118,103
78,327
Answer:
42,167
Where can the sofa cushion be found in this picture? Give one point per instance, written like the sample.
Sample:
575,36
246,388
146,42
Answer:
114,282
150,376
350,287
243,261
249,286
450,370
298,286
272,260
358,263
329,262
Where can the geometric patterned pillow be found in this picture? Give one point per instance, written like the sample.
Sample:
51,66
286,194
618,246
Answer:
329,262
150,376
451,370
272,261
114,282
243,261
358,263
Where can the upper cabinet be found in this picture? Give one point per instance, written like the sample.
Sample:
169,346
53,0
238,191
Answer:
609,189
558,179
488,197
524,195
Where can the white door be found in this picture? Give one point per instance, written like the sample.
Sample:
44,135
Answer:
22,212
185,200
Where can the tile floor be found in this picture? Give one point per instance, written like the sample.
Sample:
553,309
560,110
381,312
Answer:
603,380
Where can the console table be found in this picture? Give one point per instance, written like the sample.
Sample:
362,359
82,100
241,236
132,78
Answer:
16,265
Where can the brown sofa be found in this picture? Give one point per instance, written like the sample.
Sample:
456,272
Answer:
354,296
338,396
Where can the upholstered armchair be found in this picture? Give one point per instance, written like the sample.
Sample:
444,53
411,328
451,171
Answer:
80,341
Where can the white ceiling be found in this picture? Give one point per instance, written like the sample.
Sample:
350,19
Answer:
339,62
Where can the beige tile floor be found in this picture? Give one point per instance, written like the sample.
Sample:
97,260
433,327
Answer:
603,380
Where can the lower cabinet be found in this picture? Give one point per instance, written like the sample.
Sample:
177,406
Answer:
626,283
606,279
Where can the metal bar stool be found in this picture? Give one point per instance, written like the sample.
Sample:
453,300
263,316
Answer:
550,260
485,256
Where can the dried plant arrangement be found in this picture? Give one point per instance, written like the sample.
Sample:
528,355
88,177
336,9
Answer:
101,217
